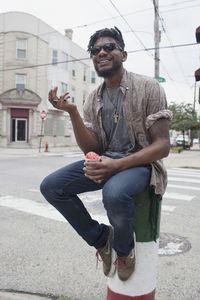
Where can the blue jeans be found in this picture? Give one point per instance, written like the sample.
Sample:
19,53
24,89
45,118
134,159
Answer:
61,188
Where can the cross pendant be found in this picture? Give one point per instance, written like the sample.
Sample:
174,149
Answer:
115,117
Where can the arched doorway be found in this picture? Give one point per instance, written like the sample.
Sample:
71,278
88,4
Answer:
19,117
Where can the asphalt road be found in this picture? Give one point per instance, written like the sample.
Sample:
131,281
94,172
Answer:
40,253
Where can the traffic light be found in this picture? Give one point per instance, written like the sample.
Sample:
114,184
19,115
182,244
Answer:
197,72
197,75
198,34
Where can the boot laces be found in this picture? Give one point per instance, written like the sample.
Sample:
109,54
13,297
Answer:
98,256
121,260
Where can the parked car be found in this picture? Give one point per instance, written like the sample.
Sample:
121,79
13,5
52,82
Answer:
183,140
195,141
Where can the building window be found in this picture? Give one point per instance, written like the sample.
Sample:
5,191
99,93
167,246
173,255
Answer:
63,87
73,69
54,57
60,127
20,80
93,77
84,73
64,60
48,126
21,48
73,95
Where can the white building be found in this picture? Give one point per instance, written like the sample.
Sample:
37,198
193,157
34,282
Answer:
34,57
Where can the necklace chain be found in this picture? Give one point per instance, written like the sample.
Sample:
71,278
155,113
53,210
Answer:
114,99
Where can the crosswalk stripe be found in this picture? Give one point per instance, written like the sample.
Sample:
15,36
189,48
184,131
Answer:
34,190
178,196
176,173
32,207
186,170
186,187
47,211
184,179
168,208
41,209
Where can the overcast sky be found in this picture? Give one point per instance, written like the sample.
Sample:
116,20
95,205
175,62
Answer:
178,22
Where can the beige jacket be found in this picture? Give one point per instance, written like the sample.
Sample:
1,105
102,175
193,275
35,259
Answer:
144,102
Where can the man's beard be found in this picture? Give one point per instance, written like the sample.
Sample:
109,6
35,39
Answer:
108,72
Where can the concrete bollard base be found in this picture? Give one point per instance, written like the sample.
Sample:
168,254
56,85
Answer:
115,296
142,283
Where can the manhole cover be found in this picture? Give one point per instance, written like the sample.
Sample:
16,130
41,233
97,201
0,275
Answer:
172,244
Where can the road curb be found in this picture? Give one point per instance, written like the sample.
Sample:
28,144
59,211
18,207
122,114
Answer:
20,295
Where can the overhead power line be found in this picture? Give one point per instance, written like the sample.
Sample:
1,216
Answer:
165,30
138,12
177,59
180,8
164,47
87,58
115,17
156,49
46,64
131,29
178,3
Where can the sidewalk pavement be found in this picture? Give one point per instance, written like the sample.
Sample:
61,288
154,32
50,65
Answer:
35,151
185,159
8,295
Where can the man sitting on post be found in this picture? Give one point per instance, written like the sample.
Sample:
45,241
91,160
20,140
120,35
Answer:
126,121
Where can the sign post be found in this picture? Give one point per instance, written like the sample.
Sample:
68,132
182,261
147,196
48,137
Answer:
43,115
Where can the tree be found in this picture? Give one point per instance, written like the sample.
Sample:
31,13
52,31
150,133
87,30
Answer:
184,118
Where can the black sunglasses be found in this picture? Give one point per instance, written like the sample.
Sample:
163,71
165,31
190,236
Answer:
108,47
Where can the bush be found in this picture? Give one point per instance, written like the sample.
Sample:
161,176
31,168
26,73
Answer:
177,149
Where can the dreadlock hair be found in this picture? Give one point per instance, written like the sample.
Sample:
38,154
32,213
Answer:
112,32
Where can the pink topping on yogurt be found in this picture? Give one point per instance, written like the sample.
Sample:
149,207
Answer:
92,155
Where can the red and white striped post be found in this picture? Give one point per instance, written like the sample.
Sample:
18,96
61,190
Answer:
142,283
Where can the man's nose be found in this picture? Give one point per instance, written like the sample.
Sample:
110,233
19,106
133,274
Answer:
102,52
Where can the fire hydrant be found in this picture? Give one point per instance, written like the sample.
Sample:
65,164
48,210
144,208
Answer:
46,147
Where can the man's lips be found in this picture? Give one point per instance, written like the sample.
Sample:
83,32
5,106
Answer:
103,61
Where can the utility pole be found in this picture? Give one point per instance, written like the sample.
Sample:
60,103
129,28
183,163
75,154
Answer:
156,39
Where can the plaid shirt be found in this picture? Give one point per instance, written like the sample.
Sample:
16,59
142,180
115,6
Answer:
144,102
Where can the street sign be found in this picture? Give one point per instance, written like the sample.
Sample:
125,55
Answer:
160,79
43,114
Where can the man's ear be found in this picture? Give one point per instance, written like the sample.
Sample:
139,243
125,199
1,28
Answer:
124,55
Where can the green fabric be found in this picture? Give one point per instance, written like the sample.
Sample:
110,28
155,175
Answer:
147,219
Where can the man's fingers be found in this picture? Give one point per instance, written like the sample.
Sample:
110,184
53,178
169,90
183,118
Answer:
50,95
65,97
91,174
53,99
54,93
55,90
98,181
95,179
94,165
